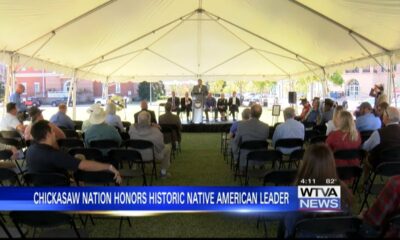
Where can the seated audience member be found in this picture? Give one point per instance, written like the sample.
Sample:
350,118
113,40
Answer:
144,107
175,101
332,125
346,137
36,115
385,138
10,121
112,118
318,164
306,109
210,106
222,106
234,104
86,124
386,205
245,116
144,131
314,115
171,119
289,129
99,129
252,129
367,121
61,119
381,109
328,110
43,157
186,105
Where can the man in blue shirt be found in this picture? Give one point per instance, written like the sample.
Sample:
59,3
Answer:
61,118
367,121
289,129
16,98
210,105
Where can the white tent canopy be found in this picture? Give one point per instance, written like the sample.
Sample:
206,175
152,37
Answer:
184,39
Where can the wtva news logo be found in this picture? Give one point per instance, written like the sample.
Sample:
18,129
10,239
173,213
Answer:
319,198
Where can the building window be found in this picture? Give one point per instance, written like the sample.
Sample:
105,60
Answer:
117,88
37,87
353,88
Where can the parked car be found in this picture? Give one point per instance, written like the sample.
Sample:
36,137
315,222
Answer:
32,102
100,100
57,102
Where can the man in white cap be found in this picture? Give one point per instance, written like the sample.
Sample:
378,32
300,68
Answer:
99,129
144,131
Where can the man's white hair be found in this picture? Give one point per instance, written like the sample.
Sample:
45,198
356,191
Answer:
144,119
393,114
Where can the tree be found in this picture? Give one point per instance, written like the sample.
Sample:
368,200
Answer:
217,86
336,78
157,90
301,85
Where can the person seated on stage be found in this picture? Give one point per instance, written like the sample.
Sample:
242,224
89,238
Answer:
45,157
289,129
222,106
210,105
245,117
61,119
144,131
252,129
144,107
10,121
186,105
306,109
36,115
174,103
171,119
112,118
367,121
234,104
99,129
314,115
327,113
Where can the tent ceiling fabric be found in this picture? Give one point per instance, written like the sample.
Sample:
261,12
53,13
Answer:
169,39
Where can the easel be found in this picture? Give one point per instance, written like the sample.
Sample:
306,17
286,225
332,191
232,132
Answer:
276,112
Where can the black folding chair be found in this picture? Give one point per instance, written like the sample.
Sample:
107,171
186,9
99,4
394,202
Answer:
347,173
321,129
130,157
318,139
6,155
126,125
124,136
8,175
143,145
308,134
78,125
71,133
11,134
385,169
295,157
288,143
254,145
89,153
68,143
365,135
328,227
105,144
260,159
46,219
18,143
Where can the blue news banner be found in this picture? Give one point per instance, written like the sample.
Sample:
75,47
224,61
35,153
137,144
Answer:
171,199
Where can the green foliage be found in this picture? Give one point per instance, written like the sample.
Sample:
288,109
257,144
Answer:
157,90
263,86
336,78
301,85
217,86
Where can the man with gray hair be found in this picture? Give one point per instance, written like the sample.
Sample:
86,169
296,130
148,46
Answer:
144,108
245,116
143,130
252,129
385,138
289,129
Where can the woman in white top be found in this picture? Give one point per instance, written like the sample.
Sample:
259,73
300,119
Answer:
112,119
331,125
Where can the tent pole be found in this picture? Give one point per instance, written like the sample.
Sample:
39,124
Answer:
262,38
392,82
150,93
105,88
74,94
7,89
338,24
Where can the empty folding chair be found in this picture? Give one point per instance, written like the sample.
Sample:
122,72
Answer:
295,157
348,173
260,159
71,133
68,143
318,139
288,143
143,145
131,158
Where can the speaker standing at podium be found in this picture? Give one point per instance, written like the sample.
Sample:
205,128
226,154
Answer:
199,93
